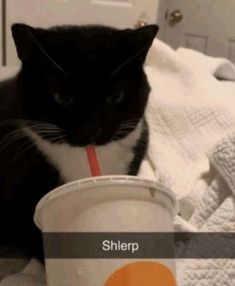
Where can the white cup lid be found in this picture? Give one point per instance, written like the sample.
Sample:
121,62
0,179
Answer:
106,181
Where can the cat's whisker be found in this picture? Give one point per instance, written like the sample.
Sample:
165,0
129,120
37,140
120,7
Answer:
11,138
43,125
129,124
13,132
57,138
13,121
50,132
131,120
53,62
11,135
119,134
28,145
61,141
9,122
43,131
124,130
38,125
115,138
127,127
129,60
31,123
9,142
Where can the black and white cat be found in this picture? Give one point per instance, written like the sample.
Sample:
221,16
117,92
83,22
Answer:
78,86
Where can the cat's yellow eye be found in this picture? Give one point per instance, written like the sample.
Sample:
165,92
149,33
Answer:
62,100
117,98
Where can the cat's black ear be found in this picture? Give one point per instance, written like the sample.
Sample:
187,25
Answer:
24,37
143,38
146,34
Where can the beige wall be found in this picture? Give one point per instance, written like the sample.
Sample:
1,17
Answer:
1,42
120,13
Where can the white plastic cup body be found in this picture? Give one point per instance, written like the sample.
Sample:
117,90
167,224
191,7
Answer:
107,204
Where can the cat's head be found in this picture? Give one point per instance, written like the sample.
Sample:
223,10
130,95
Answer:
87,81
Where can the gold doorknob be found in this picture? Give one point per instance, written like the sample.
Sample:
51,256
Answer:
141,23
175,17
143,20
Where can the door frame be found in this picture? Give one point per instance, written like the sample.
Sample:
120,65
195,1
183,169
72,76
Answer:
3,33
163,14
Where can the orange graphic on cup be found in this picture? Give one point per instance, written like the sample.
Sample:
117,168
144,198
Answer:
142,274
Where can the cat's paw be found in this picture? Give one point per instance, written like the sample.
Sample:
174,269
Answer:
21,279
32,275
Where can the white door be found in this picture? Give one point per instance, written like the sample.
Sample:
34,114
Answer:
205,25
45,13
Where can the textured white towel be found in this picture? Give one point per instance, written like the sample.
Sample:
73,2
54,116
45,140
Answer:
214,213
189,111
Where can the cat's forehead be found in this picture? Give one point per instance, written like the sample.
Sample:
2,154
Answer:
87,47
85,38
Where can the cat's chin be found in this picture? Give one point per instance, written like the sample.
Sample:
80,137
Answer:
100,141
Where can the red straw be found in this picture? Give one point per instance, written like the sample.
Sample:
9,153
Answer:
93,161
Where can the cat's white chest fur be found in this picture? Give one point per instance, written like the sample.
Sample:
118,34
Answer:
72,163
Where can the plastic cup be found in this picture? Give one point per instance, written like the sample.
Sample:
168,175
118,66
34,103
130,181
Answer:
119,204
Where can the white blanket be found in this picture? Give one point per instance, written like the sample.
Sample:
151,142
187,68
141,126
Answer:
189,112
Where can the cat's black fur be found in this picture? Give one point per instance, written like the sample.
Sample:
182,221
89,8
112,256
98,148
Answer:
80,80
